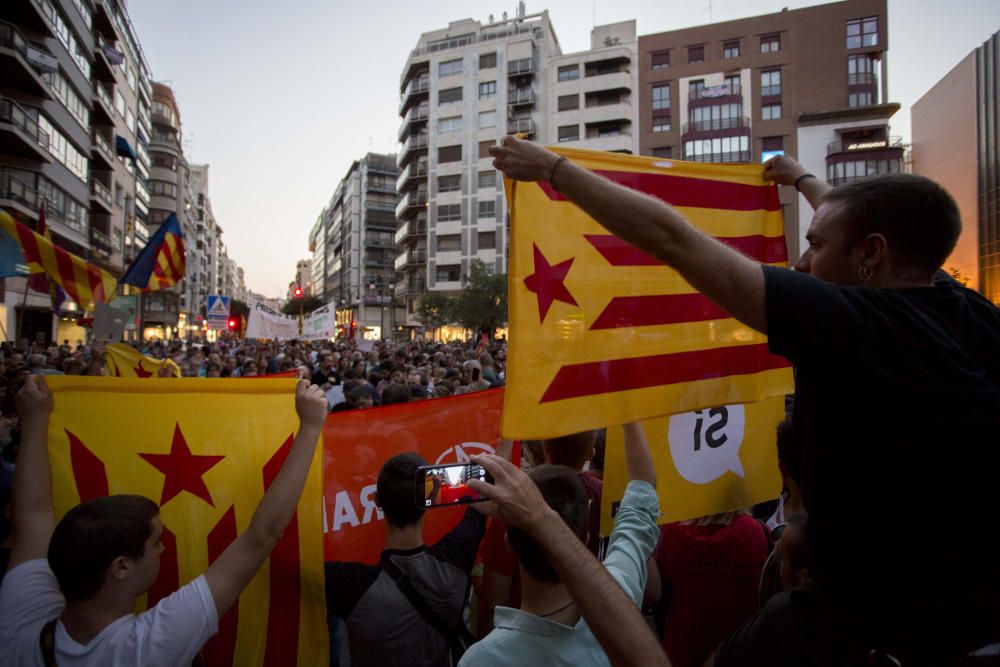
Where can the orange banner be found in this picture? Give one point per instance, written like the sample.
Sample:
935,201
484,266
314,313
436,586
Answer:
356,444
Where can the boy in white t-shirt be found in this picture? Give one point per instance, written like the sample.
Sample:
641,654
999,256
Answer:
75,607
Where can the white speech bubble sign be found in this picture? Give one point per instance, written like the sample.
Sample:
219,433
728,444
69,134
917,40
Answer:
706,443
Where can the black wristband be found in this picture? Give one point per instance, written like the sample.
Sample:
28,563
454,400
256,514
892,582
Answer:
800,179
552,172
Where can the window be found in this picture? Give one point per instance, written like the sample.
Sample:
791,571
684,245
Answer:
732,84
731,49
716,117
567,102
769,144
663,151
450,153
661,107
864,99
487,119
449,212
862,32
130,120
64,151
161,109
450,67
487,90
695,89
722,149
449,183
569,72
659,59
770,112
696,54
569,133
770,43
487,240
163,189
484,148
487,179
165,161
770,83
449,274
449,243
449,95
487,209
119,103
487,60
65,93
450,124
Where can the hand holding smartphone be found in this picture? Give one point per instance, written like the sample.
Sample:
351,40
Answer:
447,485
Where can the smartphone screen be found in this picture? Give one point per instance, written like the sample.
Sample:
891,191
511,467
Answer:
446,485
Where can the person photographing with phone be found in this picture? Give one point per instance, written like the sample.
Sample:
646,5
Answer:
407,608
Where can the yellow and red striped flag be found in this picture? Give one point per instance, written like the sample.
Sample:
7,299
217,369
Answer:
83,282
206,452
124,361
602,333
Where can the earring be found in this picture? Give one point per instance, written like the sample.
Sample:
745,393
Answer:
865,272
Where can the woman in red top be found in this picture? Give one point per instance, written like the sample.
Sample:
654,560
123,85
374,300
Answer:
710,569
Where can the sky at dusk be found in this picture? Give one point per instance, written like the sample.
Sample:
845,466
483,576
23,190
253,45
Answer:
280,98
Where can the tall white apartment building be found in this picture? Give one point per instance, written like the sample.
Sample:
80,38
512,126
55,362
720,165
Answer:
591,94
462,88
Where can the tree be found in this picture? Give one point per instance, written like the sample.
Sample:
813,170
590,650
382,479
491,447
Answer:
963,279
482,305
305,304
434,309
238,309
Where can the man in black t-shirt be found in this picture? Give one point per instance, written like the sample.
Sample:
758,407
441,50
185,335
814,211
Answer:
897,407
326,376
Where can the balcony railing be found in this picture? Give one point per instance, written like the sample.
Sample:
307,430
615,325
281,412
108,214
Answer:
720,158
861,79
105,98
414,170
770,91
100,241
732,123
518,96
522,125
14,189
417,198
519,67
414,143
101,191
712,92
13,113
864,145
103,146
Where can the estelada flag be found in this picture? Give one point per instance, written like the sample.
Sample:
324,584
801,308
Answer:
205,452
358,442
162,262
709,461
125,361
602,333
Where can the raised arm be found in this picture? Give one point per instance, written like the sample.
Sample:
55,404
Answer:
610,613
784,170
727,277
34,520
234,569
638,458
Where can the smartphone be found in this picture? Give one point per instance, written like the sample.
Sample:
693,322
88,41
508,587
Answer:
447,485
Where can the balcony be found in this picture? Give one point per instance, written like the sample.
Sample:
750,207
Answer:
379,263
416,200
101,151
17,60
411,229
103,19
104,108
16,194
417,89
415,145
371,242
716,124
20,133
418,114
410,288
410,259
864,145
524,126
729,89
522,67
520,97
100,194
861,79
100,242
103,69
413,174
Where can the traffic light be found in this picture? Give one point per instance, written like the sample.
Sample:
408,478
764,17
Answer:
298,291
232,324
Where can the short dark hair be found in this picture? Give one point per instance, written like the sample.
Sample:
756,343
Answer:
918,217
92,535
571,450
565,493
789,454
395,393
397,489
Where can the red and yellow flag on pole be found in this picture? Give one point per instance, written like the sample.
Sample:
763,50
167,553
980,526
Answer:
125,361
206,452
602,333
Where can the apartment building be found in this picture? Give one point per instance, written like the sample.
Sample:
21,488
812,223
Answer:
74,114
591,94
353,248
956,143
809,82
462,88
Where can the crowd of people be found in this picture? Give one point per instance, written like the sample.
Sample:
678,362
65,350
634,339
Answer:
878,552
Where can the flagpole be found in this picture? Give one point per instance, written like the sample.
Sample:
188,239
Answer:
20,320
